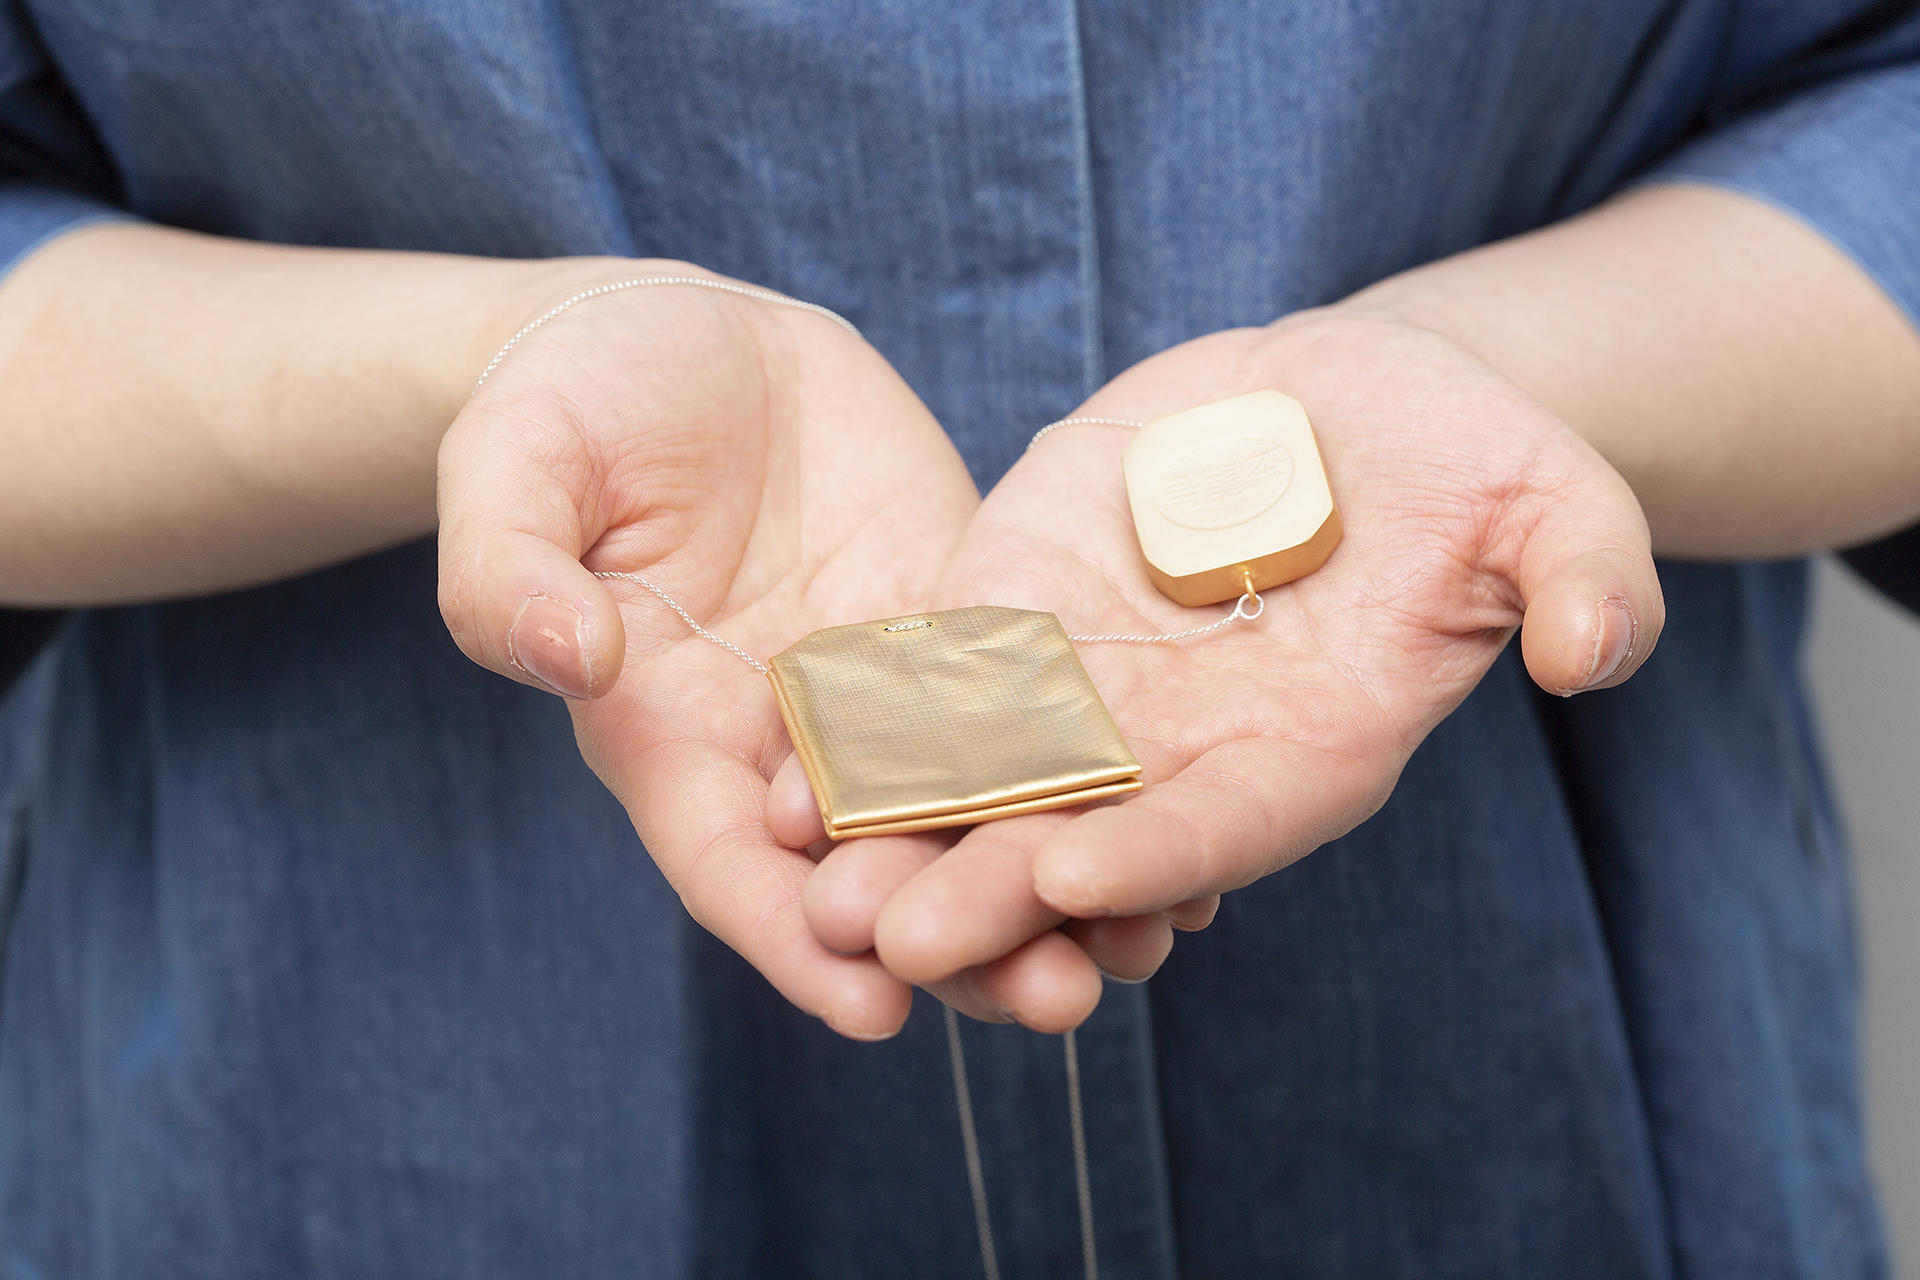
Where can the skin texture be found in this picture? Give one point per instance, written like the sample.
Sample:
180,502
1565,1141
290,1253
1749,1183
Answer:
736,469
720,469
1752,392
185,413
1510,434
1757,390
1264,741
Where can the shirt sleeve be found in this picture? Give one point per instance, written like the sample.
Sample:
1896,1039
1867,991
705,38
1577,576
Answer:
54,174
1829,133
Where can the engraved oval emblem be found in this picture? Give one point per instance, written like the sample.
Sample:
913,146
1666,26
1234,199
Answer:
1222,483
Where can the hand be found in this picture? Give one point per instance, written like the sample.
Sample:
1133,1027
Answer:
1469,510
769,471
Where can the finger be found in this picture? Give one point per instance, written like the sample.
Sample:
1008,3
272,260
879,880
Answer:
847,891
1125,948
1047,984
698,807
792,813
1242,810
1593,601
969,907
1194,914
512,589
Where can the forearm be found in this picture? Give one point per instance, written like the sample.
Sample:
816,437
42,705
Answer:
1758,391
184,413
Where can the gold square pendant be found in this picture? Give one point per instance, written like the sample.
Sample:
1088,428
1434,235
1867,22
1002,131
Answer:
947,719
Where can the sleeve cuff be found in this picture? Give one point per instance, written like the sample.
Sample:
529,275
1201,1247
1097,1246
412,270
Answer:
31,215
1843,158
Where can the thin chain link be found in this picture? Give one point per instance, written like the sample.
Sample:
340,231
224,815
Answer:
686,617
1051,427
976,1171
1082,1178
649,282
970,1143
1247,608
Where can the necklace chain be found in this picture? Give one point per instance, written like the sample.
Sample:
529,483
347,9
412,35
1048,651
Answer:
649,282
697,629
1248,608
970,1147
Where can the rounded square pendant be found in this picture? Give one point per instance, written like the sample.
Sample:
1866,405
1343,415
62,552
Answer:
1230,497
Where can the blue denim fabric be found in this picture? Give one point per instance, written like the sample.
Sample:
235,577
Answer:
322,954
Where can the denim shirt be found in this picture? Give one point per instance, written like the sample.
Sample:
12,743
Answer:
324,955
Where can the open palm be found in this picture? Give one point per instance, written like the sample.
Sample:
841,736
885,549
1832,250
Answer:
1468,510
769,471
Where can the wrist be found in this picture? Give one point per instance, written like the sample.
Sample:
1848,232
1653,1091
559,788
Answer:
1411,301
513,294
496,299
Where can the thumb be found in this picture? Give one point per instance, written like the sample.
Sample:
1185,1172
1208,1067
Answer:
1593,602
512,589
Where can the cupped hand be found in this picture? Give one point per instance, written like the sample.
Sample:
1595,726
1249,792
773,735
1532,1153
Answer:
1469,511
769,471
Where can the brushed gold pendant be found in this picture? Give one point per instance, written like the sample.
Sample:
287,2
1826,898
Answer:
947,719
1230,498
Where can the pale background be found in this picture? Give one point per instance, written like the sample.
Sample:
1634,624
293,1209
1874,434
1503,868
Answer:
1865,664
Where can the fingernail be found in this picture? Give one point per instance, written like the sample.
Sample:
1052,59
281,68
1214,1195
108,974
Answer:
1008,1015
1114,977
864,1037
1613,646
548,641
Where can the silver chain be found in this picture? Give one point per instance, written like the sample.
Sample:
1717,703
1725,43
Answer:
970,1144
1052,427
671,603
976,1170
648,282
1082,1176
1248,608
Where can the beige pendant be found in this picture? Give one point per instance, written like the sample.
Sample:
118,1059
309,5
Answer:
1230,497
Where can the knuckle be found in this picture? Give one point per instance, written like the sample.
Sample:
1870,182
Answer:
457,611
906,953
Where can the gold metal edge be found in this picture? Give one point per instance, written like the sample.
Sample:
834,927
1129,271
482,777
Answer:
801,742
1217,586
1116,774
986,813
